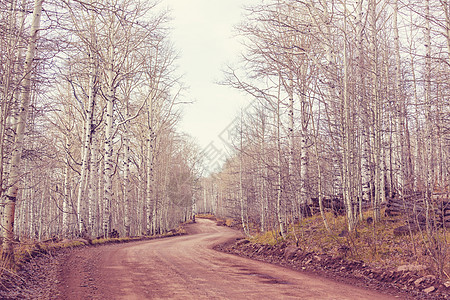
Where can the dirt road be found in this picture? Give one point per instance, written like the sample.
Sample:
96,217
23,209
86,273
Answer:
187,268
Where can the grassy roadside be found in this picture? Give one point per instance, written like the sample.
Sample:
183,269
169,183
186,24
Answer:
375,255
25,251
373,243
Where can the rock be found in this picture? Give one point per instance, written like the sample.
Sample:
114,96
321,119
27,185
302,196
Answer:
423,279
242,242
447,284
430,277
417,282
413,268
289,252
429,290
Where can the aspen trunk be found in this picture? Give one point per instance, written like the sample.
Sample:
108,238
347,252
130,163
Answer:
241,192
126,185
9,98
279,165
66,200
319,174
346,136
262,175
109,164
150,200
399,113
92,187
86,151
364,137
429,159
303,146
10,196
377,113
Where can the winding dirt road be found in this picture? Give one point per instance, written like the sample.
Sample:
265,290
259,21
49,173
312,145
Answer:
187,268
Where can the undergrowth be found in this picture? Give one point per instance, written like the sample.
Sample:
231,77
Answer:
26,250
373,243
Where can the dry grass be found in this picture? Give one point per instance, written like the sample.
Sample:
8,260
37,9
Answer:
375,244
24,251
206,216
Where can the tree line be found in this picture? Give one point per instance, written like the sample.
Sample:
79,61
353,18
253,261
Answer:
90,100
350,105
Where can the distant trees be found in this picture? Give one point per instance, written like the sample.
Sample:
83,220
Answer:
353,98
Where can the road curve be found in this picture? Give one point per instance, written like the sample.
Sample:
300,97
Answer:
187,268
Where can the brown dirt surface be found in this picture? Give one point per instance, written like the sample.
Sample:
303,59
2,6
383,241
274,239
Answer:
183,267
405,284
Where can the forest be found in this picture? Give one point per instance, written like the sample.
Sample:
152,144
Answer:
90,101
350,113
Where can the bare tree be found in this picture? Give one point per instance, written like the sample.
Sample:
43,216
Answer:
10,196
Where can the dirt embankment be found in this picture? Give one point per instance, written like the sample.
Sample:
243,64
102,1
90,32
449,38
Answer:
411,281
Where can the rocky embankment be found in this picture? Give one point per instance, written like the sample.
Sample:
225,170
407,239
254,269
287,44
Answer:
408,281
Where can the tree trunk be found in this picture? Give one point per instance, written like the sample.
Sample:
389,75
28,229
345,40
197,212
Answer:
93,185
10,196
346,135
109,164
126,184
303,138
377,143
429,159
67,210
150,199
241,192
319,173
279,165
86,150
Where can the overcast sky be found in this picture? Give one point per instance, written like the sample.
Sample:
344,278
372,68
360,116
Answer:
204,35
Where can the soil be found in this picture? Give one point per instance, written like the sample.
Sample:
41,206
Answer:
404,284
186,267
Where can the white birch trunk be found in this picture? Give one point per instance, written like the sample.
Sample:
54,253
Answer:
150,199
86,151
364,138
262,174
241,189
377,113
92,188
126,184
346,136
319,175
279,165
9,98
109,164
303,146
400,104
429,164
66,197
10,196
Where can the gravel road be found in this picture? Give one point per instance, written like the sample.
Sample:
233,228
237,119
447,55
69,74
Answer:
186,267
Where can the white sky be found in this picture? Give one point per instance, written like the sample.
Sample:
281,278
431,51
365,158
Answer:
203,33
